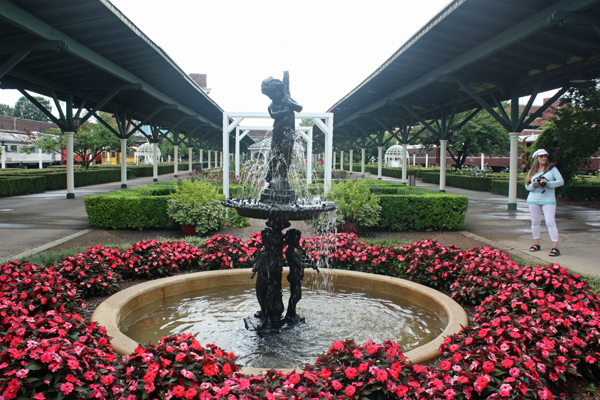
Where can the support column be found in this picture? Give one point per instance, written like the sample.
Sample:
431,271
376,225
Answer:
216,159
309,157
201,159
70,170
351,160
3,156
363,153
155,163
190,159
40,162
482,161
443,144
221,159
333,155
175,160
123,163
414,159
404,162
512,177
209,153
426,160
379,161
342,160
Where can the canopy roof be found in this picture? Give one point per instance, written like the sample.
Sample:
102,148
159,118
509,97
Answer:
88,51
475,53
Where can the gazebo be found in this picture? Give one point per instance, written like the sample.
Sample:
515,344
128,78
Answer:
145,154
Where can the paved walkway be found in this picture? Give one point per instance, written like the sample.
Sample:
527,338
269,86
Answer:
38,222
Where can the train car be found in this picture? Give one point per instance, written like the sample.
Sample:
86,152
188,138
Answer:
14,141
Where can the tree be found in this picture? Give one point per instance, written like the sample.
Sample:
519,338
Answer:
7,110
482,134
572,137
27,110
88,143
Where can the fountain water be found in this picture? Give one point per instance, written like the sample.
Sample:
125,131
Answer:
278,204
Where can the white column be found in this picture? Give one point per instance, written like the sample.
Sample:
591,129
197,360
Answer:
225,166
201,159
363,153
70,170
414,159
351,160
216,159
190,159
333,155
175,159
108,157
3,157
40,162
404,161
155,163
342,160
512,177
123,163
443,144
309,156
221,160
482,161
426,160
379,161
237,152
209,153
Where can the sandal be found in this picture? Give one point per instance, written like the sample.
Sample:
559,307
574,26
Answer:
554,252
534,248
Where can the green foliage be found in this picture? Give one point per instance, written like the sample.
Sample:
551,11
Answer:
27,110
137,208
16,186
6,110
423,212
197,203
355,202
573,135
237,221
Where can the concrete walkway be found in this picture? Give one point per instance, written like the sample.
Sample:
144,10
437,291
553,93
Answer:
489,222
38,222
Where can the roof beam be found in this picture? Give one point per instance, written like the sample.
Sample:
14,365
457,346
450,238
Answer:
525,28
22,19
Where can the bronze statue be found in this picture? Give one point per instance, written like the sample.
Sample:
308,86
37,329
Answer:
281,109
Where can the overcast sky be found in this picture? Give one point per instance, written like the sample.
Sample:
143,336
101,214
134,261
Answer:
329,46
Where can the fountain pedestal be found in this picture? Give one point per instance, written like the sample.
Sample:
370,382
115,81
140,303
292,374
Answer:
278,204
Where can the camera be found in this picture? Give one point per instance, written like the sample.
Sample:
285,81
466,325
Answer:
538,180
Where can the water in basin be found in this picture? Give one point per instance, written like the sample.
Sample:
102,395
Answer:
217,316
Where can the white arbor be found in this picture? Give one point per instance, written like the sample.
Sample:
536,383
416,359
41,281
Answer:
232,120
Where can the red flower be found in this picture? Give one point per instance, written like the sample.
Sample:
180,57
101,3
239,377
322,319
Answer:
351,373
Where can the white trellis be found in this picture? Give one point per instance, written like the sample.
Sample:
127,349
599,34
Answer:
323,120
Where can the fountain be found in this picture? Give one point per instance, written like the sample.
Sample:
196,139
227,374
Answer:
279,205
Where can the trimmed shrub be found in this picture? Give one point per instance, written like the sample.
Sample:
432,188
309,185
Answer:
435,211
16,186
501,187
580,192
138,208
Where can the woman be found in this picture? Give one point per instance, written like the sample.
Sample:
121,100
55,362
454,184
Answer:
541,181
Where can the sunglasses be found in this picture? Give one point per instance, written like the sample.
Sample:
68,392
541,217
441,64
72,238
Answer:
544,155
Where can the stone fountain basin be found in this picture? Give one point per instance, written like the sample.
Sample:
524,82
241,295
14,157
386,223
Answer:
289,212
110,313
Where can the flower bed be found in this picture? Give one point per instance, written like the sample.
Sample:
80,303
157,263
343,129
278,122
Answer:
535,332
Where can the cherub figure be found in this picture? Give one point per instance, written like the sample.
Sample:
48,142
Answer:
282,110
296,275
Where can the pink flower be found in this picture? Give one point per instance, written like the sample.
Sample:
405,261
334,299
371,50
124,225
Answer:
382,375
507,363
351,373
178,391
505,390
294,378
67,388
350,390
39,396
481,383
445,365
514,372
449,393
336,385
186,373
191,392
488,367
357,353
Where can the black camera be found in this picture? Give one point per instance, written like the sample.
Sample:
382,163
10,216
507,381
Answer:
539,180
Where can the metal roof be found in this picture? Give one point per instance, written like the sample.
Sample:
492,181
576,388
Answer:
89,49
491,49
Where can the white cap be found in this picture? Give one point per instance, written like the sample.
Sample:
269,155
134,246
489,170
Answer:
539,152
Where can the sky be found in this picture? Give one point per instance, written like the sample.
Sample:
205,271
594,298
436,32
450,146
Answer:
328,46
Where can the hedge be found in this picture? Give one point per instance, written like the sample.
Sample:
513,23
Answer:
392,172
425,212
16,186
580,192
138,208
